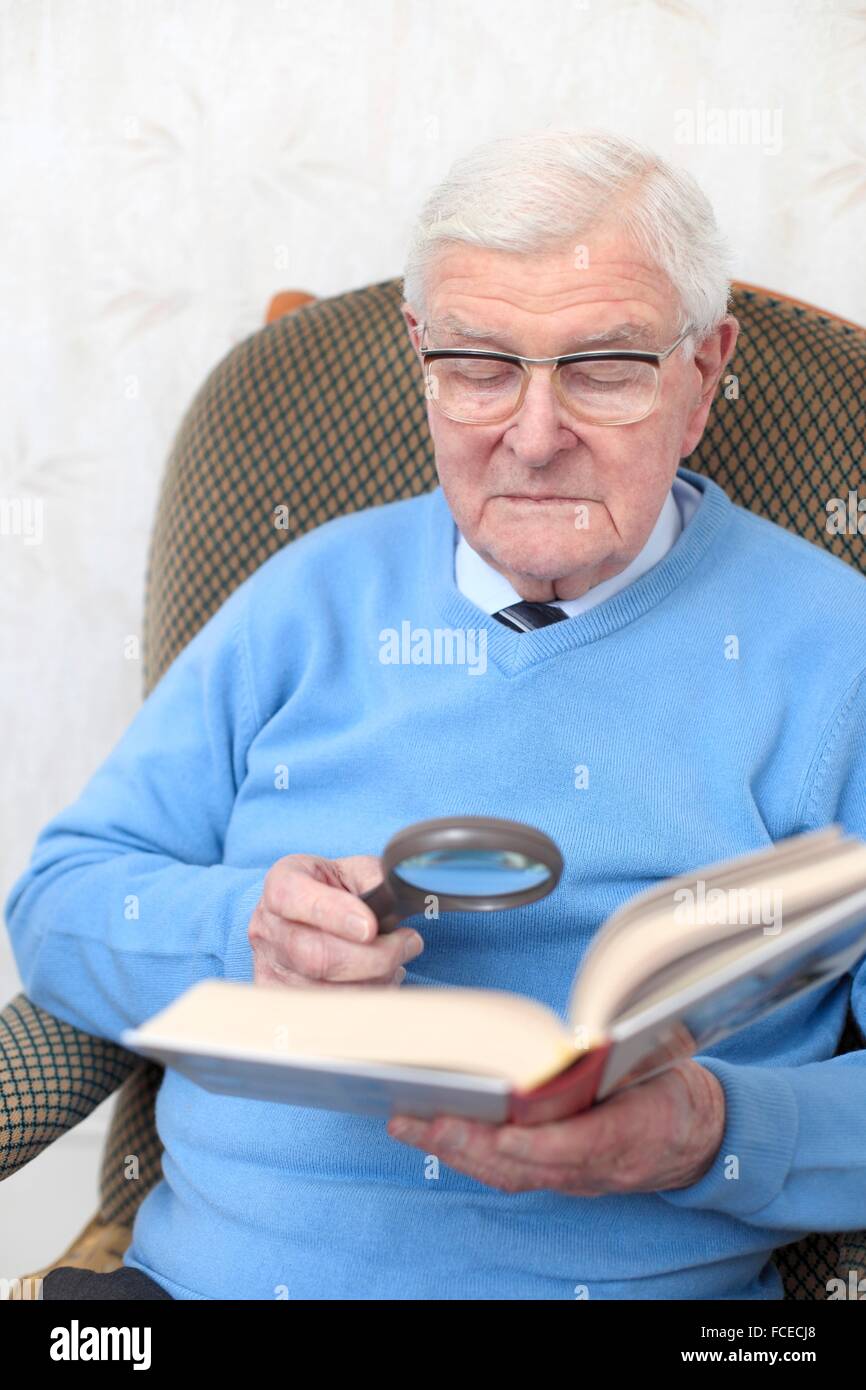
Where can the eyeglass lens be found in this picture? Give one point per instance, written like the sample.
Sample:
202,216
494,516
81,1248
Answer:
481,389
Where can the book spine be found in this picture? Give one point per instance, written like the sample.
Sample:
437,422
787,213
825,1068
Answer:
567,1094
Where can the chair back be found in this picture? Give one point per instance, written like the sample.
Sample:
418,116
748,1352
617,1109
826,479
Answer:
322,412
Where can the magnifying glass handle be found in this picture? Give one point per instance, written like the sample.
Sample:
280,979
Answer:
381,899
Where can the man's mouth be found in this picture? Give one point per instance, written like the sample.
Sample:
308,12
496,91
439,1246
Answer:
544,498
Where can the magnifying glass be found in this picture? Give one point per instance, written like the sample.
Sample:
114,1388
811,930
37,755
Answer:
467,863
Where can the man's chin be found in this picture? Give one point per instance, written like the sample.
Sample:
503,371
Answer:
540,563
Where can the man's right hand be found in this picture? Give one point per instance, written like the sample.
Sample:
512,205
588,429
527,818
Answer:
311,928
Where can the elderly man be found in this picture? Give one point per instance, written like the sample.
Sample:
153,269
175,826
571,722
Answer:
700,668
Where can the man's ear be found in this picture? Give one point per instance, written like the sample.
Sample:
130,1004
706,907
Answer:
413,323
711,357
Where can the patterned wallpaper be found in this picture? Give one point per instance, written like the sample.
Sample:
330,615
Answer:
168,164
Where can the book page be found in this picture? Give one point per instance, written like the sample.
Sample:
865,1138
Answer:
736,993
619,963
794,849
488,1032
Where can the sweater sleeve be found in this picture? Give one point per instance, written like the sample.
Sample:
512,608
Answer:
125,902
793,1154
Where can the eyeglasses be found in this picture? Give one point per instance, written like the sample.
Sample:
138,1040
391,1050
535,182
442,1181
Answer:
609,387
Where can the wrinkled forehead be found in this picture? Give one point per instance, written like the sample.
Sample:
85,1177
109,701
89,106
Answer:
448,328
605,293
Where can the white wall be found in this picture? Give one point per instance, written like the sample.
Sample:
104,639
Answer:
167,166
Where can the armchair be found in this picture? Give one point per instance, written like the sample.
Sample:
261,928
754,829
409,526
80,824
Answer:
268,425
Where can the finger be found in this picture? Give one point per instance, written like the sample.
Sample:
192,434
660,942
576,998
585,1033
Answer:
359,872
579,1139
321,956
510,1176
574,1144
288,977
556,1143
295,894
599,1136
448,1134
468,1147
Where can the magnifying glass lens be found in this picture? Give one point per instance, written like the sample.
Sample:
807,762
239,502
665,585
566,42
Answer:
479,873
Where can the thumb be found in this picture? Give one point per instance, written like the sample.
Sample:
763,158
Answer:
359,872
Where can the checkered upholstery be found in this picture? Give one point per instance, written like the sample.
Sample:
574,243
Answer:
322,411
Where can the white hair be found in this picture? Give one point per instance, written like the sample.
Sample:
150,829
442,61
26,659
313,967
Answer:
546,190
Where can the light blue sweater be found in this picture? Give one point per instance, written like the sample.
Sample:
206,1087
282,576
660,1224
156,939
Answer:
717,704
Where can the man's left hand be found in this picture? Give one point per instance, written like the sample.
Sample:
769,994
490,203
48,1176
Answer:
663,1133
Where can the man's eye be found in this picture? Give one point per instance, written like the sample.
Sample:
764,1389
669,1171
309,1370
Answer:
604,383
601,375
483,376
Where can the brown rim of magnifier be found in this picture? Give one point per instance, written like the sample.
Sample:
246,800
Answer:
394,895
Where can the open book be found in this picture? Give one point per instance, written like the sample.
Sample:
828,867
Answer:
678,967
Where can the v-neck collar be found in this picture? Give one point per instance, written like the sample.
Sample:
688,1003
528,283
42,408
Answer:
513,652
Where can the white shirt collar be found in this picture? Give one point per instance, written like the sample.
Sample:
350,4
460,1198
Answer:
489,590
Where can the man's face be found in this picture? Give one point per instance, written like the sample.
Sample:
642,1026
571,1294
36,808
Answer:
516,489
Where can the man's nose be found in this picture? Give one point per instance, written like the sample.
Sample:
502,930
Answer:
542,427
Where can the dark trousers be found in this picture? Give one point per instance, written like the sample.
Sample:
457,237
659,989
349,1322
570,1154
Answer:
123,1283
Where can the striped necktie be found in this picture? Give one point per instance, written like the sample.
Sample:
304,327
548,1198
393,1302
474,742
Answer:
523,617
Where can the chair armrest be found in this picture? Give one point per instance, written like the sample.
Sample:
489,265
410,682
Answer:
51,1077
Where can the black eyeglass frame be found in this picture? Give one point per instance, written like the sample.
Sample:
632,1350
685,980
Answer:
653,359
